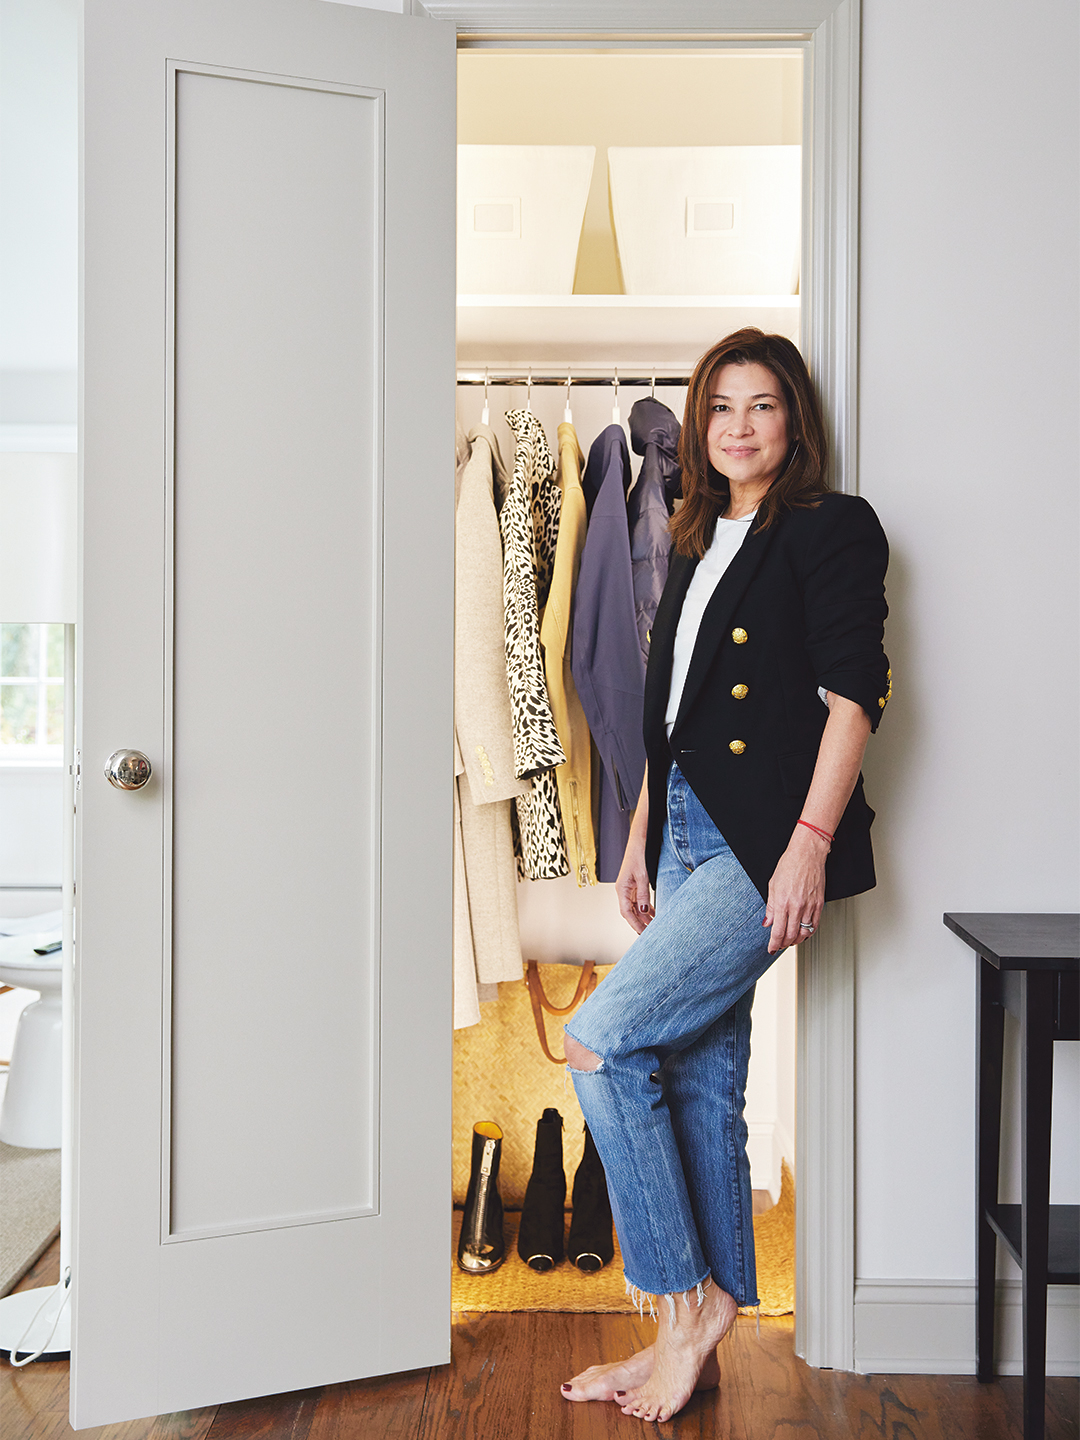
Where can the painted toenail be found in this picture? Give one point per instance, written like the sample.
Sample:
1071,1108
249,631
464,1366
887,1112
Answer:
620,1392
566,1386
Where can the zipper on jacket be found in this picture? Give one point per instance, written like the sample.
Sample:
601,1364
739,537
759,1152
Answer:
618,787
583,869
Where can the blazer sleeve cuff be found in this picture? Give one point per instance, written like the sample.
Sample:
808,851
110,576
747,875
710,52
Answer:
873,693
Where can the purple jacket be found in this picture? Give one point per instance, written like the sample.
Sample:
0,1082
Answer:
607,663
654,433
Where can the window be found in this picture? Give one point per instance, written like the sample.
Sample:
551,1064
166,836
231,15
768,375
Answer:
31,692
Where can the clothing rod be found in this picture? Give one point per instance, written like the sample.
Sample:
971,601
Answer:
573,381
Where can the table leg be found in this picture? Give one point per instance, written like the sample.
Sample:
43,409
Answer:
1036,1090
988,1062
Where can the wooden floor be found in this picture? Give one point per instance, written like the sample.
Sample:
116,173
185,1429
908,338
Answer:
504,1381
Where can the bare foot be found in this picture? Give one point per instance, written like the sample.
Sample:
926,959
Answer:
611,1382
604,1382
681,1354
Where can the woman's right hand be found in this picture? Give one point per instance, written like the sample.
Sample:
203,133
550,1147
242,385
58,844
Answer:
632,886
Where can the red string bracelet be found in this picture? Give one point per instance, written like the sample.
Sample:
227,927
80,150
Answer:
823,833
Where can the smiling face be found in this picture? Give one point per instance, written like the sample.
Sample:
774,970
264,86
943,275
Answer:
748,432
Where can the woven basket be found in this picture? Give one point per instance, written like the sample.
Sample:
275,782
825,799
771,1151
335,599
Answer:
501,1074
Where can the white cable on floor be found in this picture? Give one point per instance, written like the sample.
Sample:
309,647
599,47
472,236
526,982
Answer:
18,1364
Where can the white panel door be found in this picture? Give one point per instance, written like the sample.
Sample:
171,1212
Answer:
263,951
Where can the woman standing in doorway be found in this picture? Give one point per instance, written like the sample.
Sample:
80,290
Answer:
766,675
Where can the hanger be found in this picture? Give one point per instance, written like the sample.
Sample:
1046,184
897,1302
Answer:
652,387
528,393
567,416
485,414
616,418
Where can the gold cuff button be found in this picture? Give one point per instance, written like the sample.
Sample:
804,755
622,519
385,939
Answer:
740,691
739,635
736,746
881,702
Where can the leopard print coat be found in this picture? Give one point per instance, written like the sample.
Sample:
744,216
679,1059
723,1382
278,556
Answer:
529,524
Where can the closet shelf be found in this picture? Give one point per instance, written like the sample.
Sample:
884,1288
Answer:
638,331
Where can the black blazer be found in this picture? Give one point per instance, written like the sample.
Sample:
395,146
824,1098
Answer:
801,605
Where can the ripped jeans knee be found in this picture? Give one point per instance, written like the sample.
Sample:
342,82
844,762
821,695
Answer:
583,1061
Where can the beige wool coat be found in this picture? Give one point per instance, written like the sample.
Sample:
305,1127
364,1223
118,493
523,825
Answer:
487,947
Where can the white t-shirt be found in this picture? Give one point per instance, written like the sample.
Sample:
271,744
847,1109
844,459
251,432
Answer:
729,535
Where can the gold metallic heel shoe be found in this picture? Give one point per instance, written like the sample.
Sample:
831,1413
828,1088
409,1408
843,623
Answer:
481,1248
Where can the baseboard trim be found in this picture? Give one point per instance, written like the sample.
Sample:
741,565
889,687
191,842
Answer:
768,1143
927,1327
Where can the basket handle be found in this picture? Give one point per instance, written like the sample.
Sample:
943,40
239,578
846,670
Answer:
587,982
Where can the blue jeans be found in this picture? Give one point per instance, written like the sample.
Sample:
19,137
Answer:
671,1026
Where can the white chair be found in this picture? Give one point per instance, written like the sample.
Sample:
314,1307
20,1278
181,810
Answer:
30,1116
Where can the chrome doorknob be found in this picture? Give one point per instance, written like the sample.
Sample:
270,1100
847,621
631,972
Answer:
128,769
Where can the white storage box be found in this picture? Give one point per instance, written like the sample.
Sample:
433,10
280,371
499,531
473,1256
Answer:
707,219
520,212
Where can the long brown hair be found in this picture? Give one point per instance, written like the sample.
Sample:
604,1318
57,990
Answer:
706,492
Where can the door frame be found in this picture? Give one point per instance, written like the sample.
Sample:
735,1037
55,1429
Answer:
828,33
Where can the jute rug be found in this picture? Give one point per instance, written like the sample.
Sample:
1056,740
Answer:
515,1287
29,1209
774,1246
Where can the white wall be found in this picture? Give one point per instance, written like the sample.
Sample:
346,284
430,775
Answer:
39,210
770,1084
968,450
31,825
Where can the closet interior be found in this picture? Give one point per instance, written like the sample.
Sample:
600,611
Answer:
619,211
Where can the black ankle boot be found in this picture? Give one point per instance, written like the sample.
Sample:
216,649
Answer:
592,1242
481,1248
540,1236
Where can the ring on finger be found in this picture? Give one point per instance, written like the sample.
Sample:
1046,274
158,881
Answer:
806,925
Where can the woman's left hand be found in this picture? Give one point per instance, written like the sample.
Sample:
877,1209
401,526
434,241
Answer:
797,890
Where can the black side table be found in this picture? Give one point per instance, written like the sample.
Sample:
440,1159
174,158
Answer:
1030,966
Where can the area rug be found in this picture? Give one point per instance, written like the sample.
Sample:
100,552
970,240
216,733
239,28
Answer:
774,1246
29,1209
515,1287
